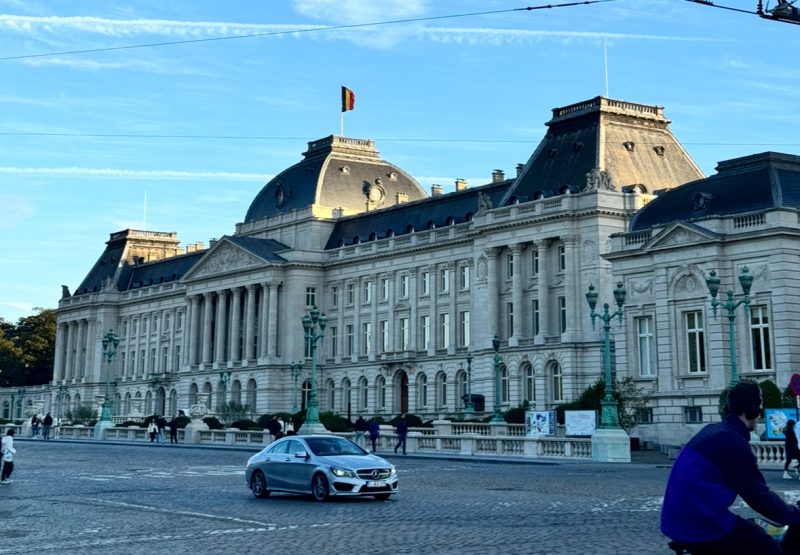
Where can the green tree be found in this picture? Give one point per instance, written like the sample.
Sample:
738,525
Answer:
27,349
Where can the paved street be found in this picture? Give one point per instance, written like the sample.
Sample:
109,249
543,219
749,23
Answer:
93,499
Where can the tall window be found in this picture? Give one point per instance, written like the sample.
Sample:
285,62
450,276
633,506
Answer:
384,289
558,384
331,395
463,277
179,320
155,325
425,283
311,296
695,343
366,337
463,328
562,313
383,334
380,392
535,313
167,321
510,318
132,364
347,395
645,342
404,286
509,266
441,390
425,331
759,333
348,331
422,391
505,392
363,393
177,358
142,360
444,280
121,370
444,330
529,385
367,287
333,334
165,359
535,263
334,297
404,334
562,258
351,294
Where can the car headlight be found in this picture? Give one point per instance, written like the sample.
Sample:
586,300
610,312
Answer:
392,470
342,472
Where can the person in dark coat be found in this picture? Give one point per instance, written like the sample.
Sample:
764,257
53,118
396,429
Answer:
173,430
47,425
360,427
374,433
791,451
402,432
274,427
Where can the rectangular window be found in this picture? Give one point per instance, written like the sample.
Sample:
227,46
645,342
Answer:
124,329
155,325
142,359
645,415
367,295
132,367
404,334
366,337
444,280
694,415
384,289
695,342
509,266
759,334
135,328
165,359
404,287
425,283
121,364
463,328
383,333
333,333
153,360
562,258
167,321
535,313
351,294
509,319
562,313
535,263
144,326
463,277
444,331
311,296
645,343
177,365
348,331
179,320
334,297
425,332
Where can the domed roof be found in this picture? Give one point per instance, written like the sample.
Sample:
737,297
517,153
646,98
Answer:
336,173
748,184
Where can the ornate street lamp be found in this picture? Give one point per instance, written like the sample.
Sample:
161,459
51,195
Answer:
110,344
470,405
609,415
746,281
224,380
497,416
297,368
311,322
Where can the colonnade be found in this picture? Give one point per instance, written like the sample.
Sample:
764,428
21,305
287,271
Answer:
75,340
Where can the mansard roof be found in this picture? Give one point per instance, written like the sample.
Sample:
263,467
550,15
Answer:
336,172
267,249
438,211
630,142
748,184
165,270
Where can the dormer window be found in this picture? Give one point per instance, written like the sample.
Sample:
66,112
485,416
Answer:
392,176
345,170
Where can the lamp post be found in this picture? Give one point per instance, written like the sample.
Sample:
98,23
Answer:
746,280
311,322
21,392
296,368
11,409
470,405
497,416
224,380
609,415
110,344
62,391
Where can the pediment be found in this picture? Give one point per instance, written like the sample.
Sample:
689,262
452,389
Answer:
225,258
679,234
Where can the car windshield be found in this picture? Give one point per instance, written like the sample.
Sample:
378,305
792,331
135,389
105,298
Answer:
327,446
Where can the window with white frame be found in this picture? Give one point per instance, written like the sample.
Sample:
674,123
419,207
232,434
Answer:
535,316
534,262
510,318
425,332
509,266
694,415
366,337
380,392
422,391
144,326
463,277
348,332
153,360
177,358
132,364
167,321
562,258
562,313
505,389
463,328
383,335
384,289
121,371
557,383
333,335
347,395
179,320
165,359
351,294
124,328
645,415
528,384
311,296
444,280
425,283
334,297
367,292
142,360
645,342
441,390
155,325
759,335
363,393
404,286
444,330
331,395
695,342
404,334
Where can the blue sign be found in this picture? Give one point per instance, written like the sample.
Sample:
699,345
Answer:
775,421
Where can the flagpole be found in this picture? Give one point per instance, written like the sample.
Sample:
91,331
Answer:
341,125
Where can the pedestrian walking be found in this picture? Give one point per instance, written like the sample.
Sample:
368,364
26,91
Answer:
360,427
374,433
152,430
274,427
47,425
57,427
8,451
791,450
161,426
35,425
173,430
402,432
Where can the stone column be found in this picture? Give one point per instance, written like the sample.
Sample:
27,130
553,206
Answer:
70,355
356,320
273,319
543,284
58,360
208,315
263,319
194,331
249,323
236,325
570,285
88,349
452,270
391,344
413,301
492,293
220,328
373,317
340,335
517,251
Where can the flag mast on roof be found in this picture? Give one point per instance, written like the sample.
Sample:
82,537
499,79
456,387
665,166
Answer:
348,103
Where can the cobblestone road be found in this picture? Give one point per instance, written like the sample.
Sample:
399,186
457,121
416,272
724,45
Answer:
100,499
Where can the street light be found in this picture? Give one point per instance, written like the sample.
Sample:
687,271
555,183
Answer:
746,280
296,368
497,416
224,379
110,344
609,415
470,405
311,321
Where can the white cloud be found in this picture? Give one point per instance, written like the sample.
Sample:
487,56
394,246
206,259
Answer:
360,11
132,174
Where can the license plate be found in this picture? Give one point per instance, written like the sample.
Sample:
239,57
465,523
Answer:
376,484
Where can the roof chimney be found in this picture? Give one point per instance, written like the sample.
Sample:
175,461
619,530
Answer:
212,242
436,190
520,167
401,198
498,176
461,184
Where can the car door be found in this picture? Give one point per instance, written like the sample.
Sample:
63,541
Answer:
274,466
300,468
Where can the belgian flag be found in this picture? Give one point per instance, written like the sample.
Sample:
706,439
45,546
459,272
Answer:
348,99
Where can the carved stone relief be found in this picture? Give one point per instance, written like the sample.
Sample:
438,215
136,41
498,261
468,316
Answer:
225,259
589,252
640,288
481,268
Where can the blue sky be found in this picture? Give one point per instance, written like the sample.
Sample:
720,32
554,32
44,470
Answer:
443,98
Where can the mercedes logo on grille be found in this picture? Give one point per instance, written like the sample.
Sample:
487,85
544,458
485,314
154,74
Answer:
376,473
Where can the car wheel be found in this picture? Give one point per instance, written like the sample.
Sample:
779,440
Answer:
382,496
319,487
258,484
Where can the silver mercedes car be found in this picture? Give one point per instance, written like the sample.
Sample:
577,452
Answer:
320,465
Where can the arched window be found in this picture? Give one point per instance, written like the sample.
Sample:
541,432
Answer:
251,396
193,394
207,391
422,391
461,388
117,405
77,403
380,392
173,402
538,195
356,240
341,243
558,384
528,385
127,409
441,390
564,190
161,401
468,217
331,395
137,403
430,225
236,392
505,394
409,228
363,394
451,220
347,395
148,403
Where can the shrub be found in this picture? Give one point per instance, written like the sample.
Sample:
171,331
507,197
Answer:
183,421
770,394
81,415
412,420
335,423
233,411
129,423
245,424
515,415
213,423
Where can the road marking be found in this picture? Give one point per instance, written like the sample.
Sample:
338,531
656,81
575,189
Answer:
155,509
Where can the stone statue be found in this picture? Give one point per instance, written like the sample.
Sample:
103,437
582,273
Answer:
484,202
65,294
598,179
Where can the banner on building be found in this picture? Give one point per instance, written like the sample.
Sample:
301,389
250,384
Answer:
580,422
540,423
